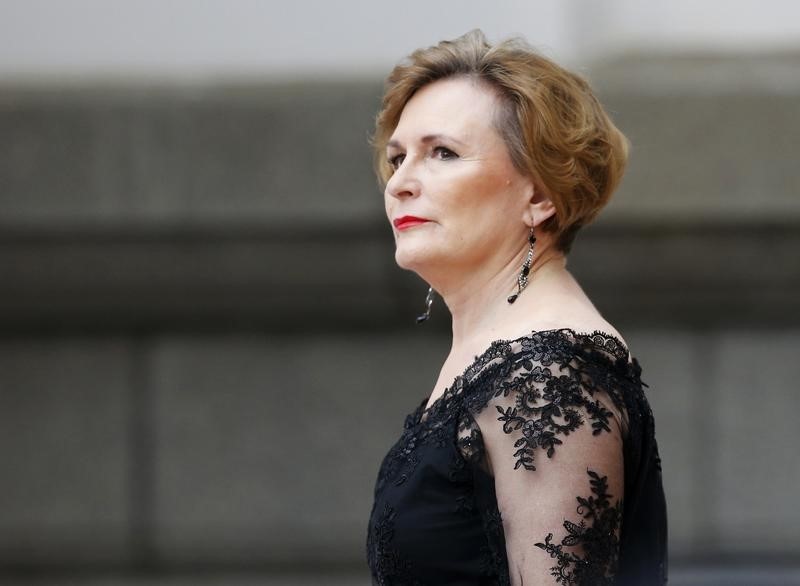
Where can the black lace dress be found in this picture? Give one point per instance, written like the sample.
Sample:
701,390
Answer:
538,465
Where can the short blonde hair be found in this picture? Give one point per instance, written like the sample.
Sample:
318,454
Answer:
554,127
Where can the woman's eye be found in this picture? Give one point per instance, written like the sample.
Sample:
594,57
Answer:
444,153
396,161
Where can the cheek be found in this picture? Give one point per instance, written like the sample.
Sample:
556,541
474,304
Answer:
388,205
485,195
485,212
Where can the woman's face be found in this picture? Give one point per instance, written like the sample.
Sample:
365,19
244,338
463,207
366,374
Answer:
452,169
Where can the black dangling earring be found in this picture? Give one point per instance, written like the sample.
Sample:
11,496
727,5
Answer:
428,302
522,278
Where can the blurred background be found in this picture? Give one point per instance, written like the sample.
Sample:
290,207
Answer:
206,347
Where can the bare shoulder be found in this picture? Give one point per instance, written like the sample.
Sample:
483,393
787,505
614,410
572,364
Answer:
585,323
566,305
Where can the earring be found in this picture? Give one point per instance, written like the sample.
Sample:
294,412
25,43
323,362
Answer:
428,302
522,278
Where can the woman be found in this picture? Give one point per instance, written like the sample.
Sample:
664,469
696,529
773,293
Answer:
534,459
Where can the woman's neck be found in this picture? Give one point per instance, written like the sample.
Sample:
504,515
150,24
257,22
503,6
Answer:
479,306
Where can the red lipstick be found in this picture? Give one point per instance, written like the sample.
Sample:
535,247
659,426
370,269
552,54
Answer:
404,222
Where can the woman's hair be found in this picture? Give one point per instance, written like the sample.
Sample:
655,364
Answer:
554,127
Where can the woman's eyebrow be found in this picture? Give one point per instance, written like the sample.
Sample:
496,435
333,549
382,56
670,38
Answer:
428,138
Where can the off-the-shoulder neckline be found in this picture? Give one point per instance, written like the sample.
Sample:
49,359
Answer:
621,351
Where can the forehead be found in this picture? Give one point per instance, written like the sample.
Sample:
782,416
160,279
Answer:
458,106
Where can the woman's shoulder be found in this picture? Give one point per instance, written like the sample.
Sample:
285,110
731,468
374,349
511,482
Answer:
551,383
587,325
560,342
571,360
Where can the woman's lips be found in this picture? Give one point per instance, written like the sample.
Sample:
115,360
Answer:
406,222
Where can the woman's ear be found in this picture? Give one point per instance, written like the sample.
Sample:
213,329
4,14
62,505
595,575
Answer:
539,207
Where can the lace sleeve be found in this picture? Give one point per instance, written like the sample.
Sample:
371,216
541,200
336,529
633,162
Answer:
546,420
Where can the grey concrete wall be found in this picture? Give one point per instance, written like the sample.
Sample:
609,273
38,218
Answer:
205,344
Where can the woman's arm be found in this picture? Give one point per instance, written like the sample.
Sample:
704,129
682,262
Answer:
551,432
561,520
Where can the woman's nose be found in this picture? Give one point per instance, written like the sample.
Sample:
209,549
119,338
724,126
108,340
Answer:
403,182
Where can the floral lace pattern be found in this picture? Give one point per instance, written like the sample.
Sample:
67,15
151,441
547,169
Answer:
540,389
545,390
596,535
386,562
493,559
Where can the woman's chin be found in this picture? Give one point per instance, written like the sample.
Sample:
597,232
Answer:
411,259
